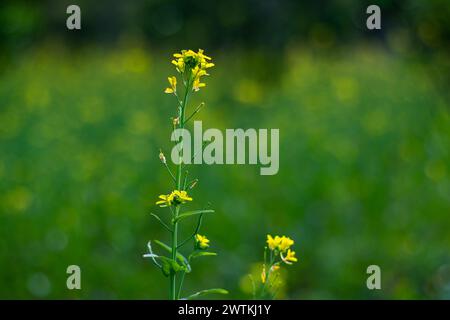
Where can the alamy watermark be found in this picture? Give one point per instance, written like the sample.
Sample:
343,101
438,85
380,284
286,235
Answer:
374,20
74,279
73,22
374,280
235,146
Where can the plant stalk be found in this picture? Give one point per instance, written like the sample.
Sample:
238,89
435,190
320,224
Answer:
172,276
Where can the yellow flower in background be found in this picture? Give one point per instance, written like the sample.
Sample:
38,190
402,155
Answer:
201,241
279,243
290,257
174,198
273,243
275,267
263,274
173,85
285,243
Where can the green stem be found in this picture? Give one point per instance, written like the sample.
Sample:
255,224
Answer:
267,272
172,276
173,279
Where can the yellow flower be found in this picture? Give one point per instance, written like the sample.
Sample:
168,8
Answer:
173,85
197,85
166,200
285,243
179,64
273,243
181,196
201,241
279,243
194,64
176,197
290,257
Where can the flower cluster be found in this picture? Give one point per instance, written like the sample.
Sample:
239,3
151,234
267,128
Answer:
279,251
281,245
176,197
192,66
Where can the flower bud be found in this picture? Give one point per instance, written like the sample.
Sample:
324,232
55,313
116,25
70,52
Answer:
193,184
162,157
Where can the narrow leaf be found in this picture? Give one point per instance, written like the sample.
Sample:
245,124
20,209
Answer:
192,213
201,254
205,292
180,257
169,265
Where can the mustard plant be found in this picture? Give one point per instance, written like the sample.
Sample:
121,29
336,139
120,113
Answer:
276,253
191,67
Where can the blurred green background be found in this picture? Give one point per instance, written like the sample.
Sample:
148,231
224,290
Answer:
364,145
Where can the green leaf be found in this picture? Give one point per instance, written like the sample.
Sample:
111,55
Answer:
201,254
205,292
182,259
169,265
192,213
